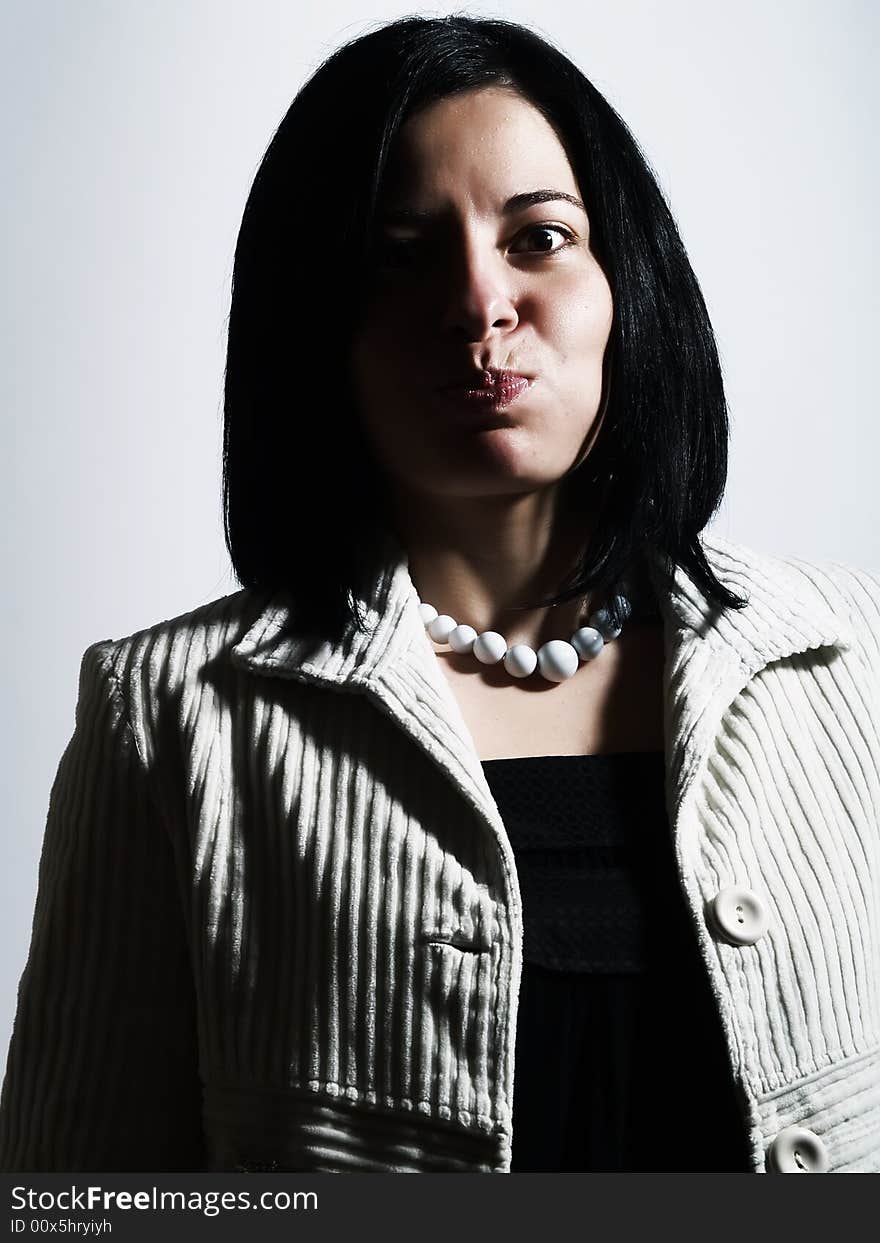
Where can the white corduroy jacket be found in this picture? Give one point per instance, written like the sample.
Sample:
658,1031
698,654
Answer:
278,924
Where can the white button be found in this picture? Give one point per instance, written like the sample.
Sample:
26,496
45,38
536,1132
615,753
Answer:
797,1150
738,915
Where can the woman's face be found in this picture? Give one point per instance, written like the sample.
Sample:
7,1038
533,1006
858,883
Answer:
472,276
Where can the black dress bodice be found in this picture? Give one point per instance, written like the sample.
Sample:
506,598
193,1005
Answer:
621,1062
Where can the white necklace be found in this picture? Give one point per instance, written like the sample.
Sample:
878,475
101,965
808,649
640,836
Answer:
555,660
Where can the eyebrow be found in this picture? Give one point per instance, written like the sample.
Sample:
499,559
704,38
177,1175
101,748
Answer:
517,202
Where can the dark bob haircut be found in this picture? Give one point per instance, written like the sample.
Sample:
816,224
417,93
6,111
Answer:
303,501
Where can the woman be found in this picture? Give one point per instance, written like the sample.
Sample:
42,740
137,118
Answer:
503,820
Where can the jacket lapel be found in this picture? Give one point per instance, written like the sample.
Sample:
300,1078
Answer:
710,655
394,665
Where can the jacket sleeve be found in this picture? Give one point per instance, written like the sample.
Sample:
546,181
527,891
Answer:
102,1068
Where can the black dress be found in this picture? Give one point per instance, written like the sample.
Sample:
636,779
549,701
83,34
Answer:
620,1057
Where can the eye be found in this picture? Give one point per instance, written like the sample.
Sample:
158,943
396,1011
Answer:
403,252
397,252
536,230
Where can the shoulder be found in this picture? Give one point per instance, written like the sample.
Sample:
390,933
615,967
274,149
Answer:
178,649
853,590
821,587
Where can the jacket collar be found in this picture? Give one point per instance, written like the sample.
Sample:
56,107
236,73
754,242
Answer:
785,614
710,655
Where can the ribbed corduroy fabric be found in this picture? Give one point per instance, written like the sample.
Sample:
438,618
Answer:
278,922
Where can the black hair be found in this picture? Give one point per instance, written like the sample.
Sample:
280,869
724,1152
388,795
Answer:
303,503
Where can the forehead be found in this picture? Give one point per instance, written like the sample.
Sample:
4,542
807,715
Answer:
492,136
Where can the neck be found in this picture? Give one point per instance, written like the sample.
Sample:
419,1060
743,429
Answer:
481,559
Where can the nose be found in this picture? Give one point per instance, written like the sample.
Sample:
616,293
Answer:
480,298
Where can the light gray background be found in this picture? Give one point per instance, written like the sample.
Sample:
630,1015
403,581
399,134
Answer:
130,137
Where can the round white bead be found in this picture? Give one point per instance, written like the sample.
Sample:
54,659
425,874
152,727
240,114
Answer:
587,642
557,660
462,639
427,612
489,647
441,628
601,621
521,660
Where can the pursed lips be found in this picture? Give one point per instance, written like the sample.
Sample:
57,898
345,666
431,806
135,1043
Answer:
489,380
490,389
